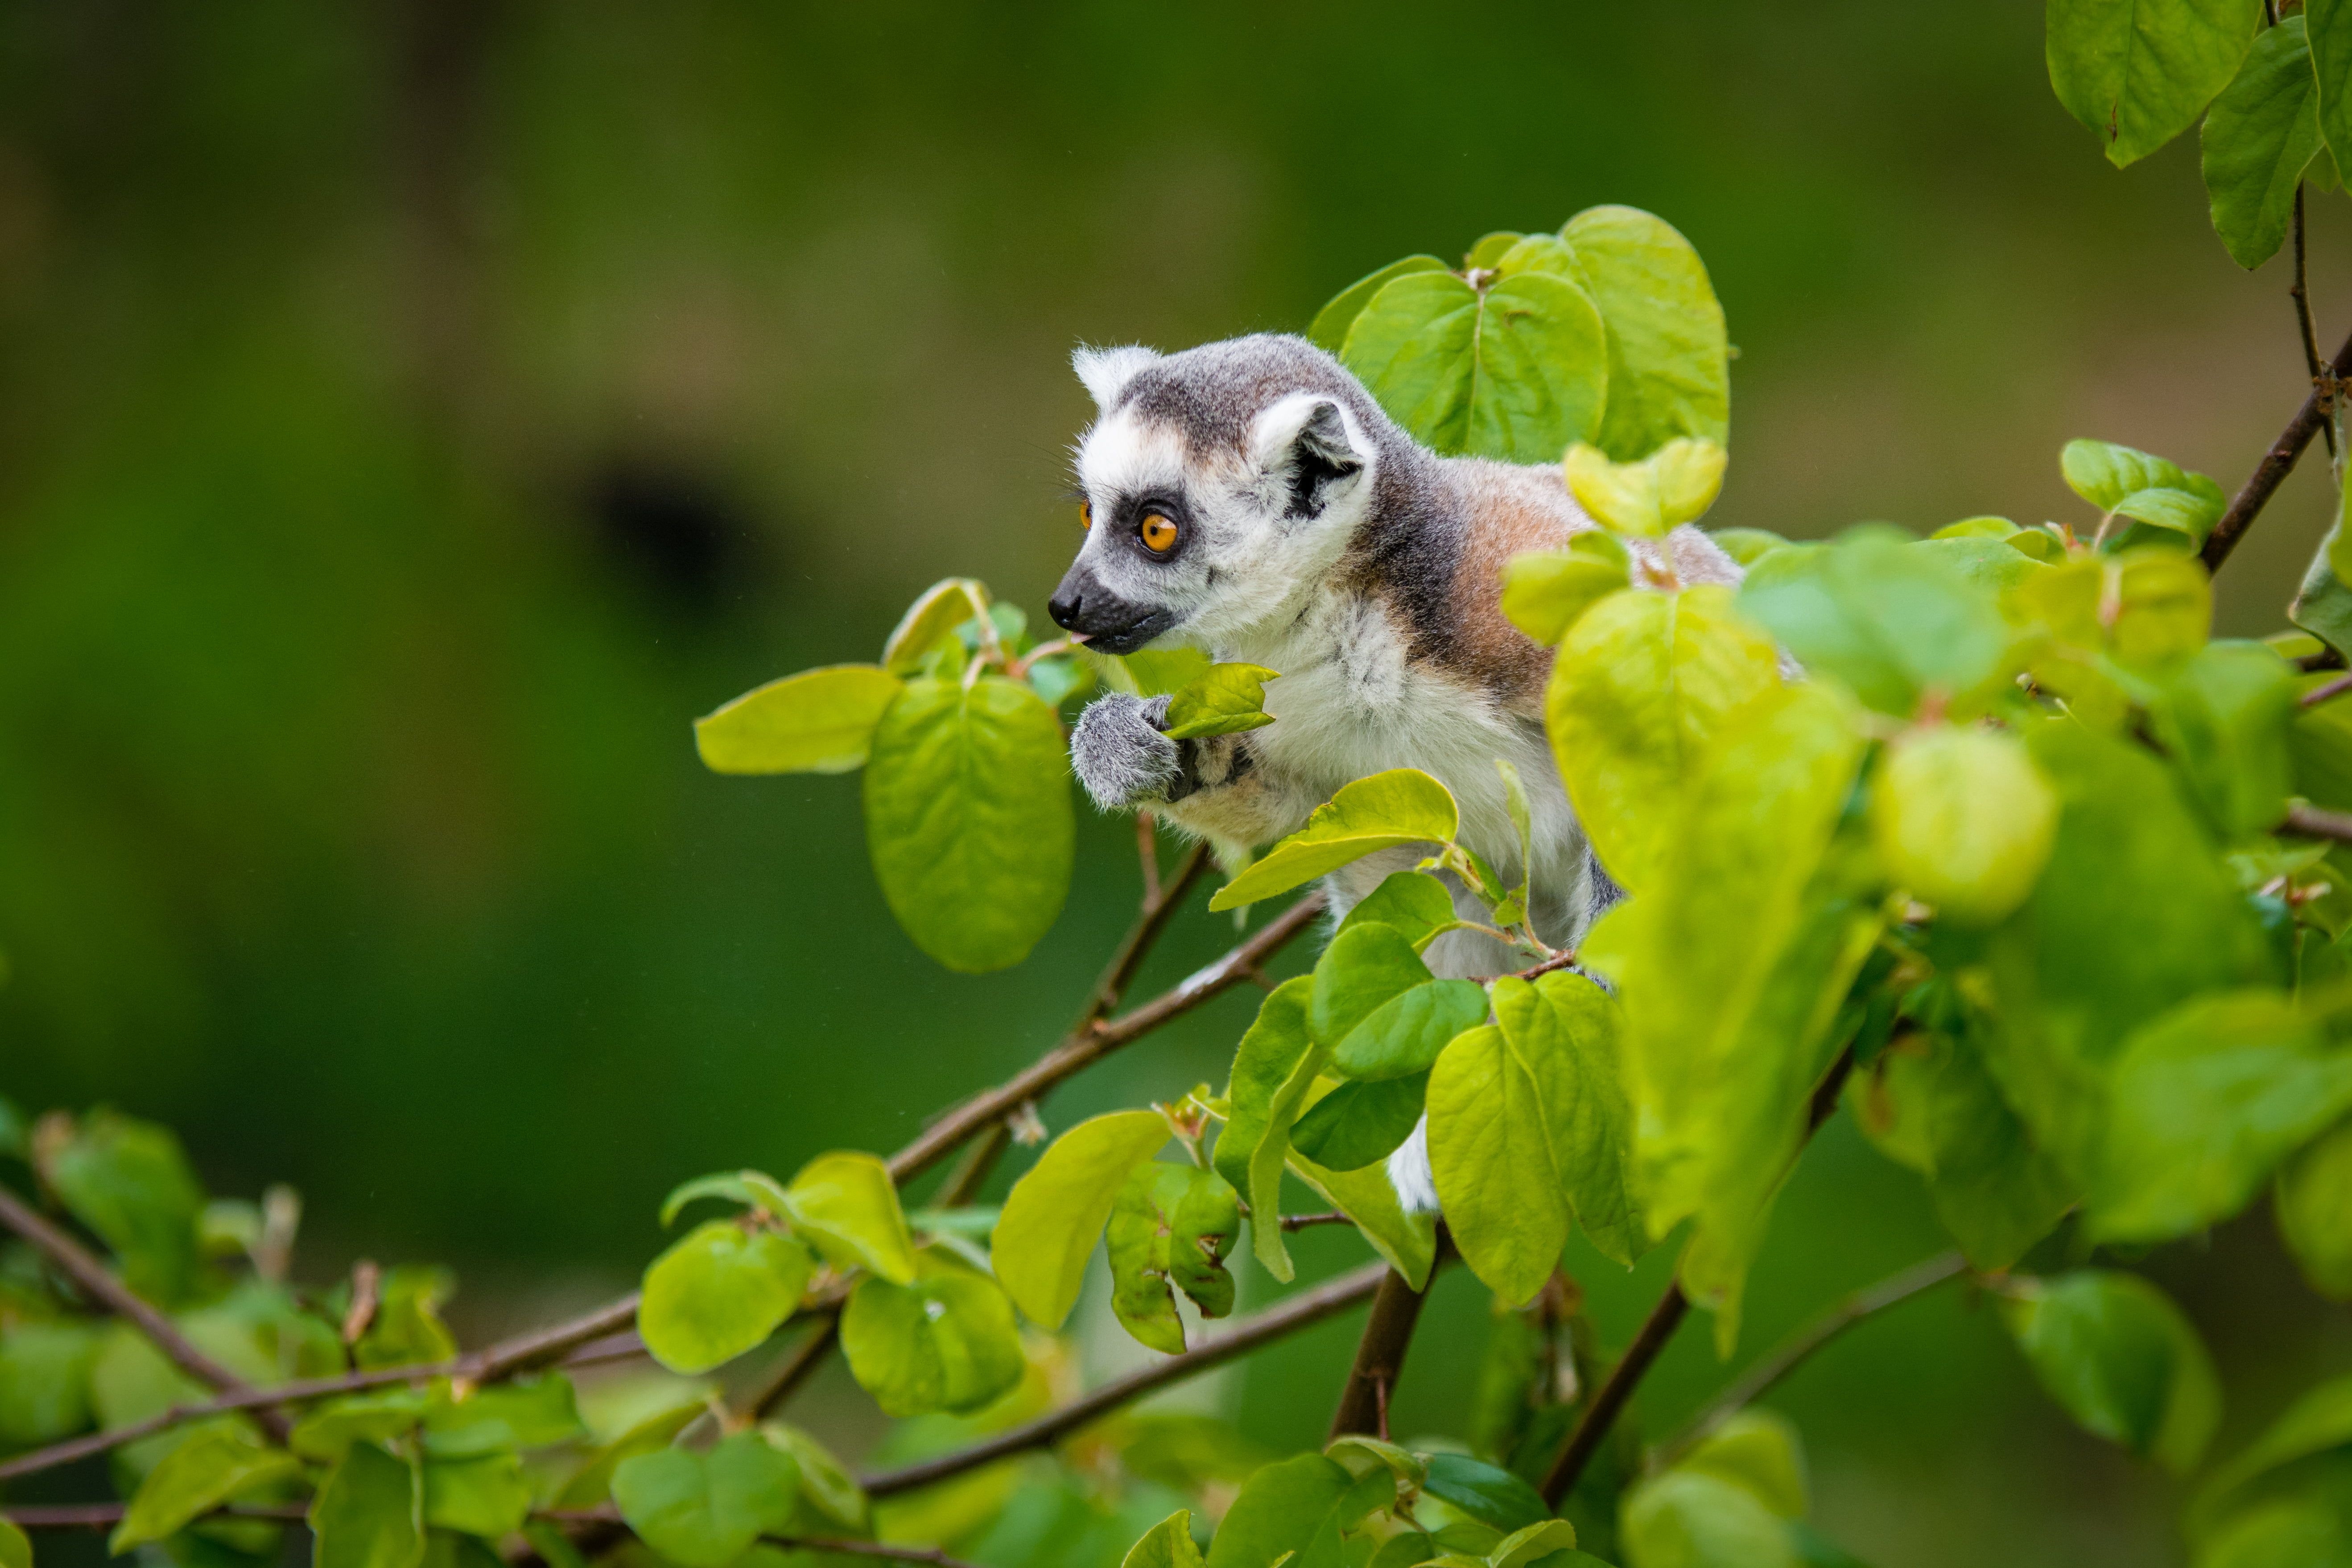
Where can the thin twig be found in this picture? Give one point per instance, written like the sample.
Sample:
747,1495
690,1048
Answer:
1286,1317
1302,1221
504,1359
1790,1352
1592,1427
93,1279
2276,463
2326,690
2318,822
1084,1047
1379,1357
2310,335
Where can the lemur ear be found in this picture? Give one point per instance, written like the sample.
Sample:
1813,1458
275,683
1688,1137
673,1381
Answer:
1308,440
1106,372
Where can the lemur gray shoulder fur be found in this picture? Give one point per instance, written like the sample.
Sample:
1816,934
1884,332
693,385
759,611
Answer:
1250,499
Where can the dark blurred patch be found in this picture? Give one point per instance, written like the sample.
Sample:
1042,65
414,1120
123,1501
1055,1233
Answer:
678,537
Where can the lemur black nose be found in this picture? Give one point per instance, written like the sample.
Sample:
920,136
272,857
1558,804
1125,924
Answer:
1064,608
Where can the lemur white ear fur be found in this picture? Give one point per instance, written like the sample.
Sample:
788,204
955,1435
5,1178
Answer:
1106,371
1308,422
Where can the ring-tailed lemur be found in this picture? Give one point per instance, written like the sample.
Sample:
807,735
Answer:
1250,499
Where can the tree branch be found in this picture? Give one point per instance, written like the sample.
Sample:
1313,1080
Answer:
1379,1357
1087,1045
1284,1318
794,1370
1610,1401
2276,463
2301,293
2318,822
91,1276
1790,1352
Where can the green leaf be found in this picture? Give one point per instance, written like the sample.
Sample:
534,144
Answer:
16,1547
846,1203
2319,1422
2139,72
733,1185
2122,481
1296,1506
1493,1497
1964,819
1931,1103
329,1431
1733,964
1890,619
2224,718
1168,1544
2259,137
1756,1449
128,1182
1649,497
1377,1008
1748,545
2205,1102
408,1330
1270,1156
2314,1212
948,1342
1408,1241
368,1512
1057,1211
1228,699
939,611
818,721
1669,356
1330,326
2118,1357
1569,1032
1356,1124
1153,672
1402,806
2322,606
1173,1224
826,1485
1641,683
1270,1051
212,1464
1490,1152
45,1381
1517,370
2329,23
1545,591
529,1413
2284,1532
489,1496
1690,1518
1414,902
1538,1543
968,817
703,1510
718,1291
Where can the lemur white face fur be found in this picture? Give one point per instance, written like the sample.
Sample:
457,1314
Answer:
1206,514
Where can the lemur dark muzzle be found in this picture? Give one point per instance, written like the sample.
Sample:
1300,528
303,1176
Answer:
1108,623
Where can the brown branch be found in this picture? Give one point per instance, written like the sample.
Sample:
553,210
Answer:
1089,1044
2301,293
2326,690
1379,1357
2318,822
1286,1317
930,1555
1302,1221
2276,463
91,1276
503,1359
1592,1427
1792,1352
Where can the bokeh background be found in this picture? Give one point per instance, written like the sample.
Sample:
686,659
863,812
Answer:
413,413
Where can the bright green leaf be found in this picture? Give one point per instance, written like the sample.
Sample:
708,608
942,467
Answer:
368,1512
2314,1212
1057,1211
1228,699
129,1181
1490,1152
1545,591
2118,1357
818,721
1568,1033
2224,719
1414,902
2329,23
846,1203
462,1423
16,1547
1330,330
327,1432
1356,1124
1168,1544
1402,806
407,1330
489,1496
969,821
1669,357
1964,819
1689,1518
45,1381
1648,496
212,1464
2139,72
948,1342
718,1291
2317,1423
1171,1225
702,1509
1290,1506
938,611
1757,1449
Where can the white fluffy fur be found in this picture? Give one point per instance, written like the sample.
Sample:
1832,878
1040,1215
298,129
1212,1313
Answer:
1105,371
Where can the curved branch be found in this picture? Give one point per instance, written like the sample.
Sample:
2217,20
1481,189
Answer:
1287,1317
2276,463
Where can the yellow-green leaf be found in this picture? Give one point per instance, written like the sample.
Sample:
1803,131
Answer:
1672,486
818,721
1225,701
940,609
846,1203
718,1291
1056,1212
1403,806
1964,819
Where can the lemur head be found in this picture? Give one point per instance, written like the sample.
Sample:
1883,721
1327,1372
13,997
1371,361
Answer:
1217,485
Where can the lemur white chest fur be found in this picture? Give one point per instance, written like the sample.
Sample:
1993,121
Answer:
1250,499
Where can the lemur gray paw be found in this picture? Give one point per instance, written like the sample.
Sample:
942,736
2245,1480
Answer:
1119,753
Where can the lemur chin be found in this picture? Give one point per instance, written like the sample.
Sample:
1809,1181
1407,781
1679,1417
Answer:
1249,499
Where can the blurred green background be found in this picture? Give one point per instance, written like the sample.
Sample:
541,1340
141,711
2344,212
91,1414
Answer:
412,413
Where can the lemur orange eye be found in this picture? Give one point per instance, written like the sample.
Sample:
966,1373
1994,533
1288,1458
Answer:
1087,515
1158,534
